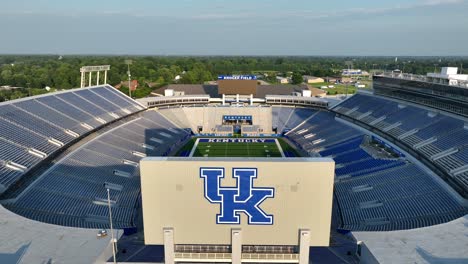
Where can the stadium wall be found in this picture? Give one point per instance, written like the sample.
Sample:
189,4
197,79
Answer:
176,195
212,116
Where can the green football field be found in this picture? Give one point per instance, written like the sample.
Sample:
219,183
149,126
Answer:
238,149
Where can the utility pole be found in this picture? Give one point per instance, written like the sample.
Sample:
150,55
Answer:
128,62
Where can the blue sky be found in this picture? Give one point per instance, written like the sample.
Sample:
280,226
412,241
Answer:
235,27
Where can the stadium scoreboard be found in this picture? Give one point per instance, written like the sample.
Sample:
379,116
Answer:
201,200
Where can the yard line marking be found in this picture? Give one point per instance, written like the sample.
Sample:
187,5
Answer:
194,148
280,148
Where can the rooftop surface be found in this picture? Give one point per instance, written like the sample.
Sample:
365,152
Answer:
212,90
444,243
28,241
419,78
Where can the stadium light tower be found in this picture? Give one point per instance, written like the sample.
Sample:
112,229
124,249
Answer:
111,226
128,62
90,70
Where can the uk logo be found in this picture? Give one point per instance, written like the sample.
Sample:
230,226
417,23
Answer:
243,198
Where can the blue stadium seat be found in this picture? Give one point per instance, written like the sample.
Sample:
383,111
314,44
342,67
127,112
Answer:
34,128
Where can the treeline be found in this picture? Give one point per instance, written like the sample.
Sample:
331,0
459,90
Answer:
63,72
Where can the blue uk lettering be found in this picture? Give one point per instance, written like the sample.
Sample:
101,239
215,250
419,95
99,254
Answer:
243,198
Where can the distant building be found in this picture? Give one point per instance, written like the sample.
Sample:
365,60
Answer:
282,80
315,92
345,80
8,87
448,75
338,79
354,72
133,85
312,79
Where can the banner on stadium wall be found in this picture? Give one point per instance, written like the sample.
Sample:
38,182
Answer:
237,77
237,117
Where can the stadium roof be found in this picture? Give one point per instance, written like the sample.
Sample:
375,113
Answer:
445,243
212,90
191,89
28,241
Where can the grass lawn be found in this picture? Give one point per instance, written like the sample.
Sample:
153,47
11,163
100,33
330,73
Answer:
287,149
186,148
338,88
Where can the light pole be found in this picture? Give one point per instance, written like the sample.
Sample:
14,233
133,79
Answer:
128,62
111,227
373,67
350,65
346,93
129,83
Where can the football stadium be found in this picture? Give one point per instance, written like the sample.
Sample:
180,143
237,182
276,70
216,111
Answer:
237,172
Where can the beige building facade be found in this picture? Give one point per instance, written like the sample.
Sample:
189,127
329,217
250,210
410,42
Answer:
269,201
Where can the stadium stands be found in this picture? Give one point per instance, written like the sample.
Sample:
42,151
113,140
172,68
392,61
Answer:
73,193
280,116
226,130
375,193
250,129
296,117
319,130
435,135
401,198
34,128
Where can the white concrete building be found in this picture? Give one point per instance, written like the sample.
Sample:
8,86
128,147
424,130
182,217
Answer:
312,79
354,72
359,85
448,75
282,80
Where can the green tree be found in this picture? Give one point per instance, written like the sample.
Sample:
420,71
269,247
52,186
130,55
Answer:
296,78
